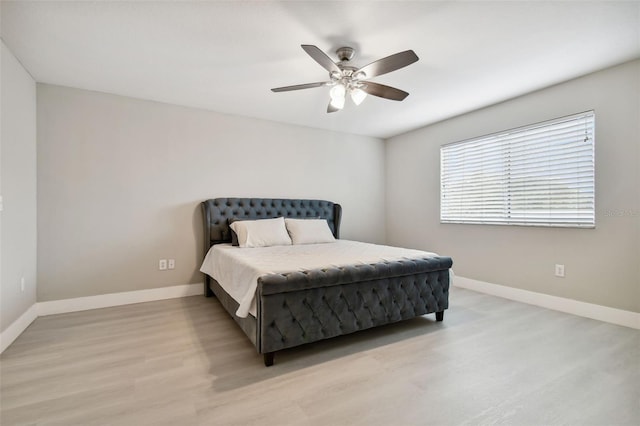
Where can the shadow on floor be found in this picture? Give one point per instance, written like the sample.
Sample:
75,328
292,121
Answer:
229,351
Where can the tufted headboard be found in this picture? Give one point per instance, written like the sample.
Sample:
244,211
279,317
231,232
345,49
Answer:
218,211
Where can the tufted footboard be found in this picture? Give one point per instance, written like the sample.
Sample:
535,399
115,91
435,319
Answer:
303,307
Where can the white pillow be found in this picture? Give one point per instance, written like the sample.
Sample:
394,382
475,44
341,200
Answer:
261,233
309,231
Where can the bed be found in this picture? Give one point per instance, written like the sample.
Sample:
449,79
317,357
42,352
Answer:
296,307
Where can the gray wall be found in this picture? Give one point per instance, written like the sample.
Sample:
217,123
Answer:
18,189
120,181
602,264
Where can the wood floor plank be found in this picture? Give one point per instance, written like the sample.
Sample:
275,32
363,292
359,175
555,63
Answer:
184,361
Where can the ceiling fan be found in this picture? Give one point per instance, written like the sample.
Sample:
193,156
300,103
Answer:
345,79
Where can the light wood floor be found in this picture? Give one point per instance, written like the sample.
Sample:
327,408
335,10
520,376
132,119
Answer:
185,362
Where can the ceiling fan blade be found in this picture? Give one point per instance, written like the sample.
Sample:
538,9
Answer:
331,108
320,57
299,87
383,91
388,64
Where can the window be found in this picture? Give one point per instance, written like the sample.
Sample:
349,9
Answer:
538,175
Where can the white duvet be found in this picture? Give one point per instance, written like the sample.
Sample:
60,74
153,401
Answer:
237,269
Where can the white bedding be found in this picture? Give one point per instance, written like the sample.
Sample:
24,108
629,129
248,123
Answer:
237,269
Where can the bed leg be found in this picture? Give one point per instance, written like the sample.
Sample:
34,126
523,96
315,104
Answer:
208,292
207,289
268,359
440,316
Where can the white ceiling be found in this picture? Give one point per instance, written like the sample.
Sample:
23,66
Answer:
226,55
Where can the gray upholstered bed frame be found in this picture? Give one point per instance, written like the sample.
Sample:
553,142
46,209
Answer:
303,307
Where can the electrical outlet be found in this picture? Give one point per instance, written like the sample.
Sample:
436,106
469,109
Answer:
560,271
172,264
22,284
162,264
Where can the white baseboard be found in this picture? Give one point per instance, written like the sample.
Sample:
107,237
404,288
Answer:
52,307
575,307
570,306
117,299
16,328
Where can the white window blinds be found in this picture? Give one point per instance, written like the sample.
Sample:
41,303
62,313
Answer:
541,175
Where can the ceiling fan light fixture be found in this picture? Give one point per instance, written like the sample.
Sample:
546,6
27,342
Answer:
337,95
359,75
338,102
338,91
358,96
